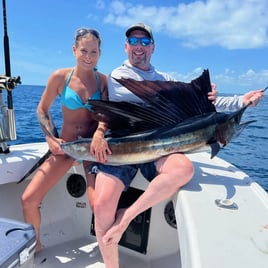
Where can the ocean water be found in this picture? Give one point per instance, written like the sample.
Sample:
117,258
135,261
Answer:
249,151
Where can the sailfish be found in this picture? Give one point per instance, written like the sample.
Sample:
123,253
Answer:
175,117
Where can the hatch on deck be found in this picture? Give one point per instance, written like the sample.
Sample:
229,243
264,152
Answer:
136,235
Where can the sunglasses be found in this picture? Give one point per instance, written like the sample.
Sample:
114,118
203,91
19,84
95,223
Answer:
144,41
83,31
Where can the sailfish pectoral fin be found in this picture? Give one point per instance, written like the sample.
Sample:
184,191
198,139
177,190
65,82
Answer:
215,148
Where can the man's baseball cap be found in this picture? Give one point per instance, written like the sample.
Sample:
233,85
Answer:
142,27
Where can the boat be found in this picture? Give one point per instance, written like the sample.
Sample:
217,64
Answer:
219,219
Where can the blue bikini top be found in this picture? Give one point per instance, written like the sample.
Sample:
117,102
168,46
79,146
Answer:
71,100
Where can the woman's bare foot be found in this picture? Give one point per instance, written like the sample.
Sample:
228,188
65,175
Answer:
114,234
38,247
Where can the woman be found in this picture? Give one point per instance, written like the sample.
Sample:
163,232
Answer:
74,86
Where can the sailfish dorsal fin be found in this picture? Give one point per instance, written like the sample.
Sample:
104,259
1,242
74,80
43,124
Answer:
165,102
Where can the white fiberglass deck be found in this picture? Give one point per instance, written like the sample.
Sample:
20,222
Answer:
207,236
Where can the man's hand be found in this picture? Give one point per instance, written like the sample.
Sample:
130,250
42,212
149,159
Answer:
252,97
212,95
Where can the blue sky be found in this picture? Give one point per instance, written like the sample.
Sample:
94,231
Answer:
229,37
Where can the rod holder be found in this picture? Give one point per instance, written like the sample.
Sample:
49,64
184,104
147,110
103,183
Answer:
11,125
7,125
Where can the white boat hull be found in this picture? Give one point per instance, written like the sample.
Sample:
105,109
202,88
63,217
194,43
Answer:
206,235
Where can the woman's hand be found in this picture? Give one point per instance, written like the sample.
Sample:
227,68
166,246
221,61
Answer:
99,147
54,145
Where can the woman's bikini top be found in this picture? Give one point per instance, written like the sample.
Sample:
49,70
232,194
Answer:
71,100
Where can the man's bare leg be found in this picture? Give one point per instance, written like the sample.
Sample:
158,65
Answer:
174,171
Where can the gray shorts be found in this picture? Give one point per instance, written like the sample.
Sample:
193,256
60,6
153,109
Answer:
127,173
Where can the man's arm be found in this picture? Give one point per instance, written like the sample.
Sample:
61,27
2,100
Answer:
234,103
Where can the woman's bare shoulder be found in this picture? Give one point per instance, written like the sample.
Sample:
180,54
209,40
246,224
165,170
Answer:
104,85
62,73
57,79
102,76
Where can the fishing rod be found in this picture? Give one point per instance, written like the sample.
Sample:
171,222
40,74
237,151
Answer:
7,123
6,44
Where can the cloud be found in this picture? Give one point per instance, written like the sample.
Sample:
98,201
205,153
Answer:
187,77
250,79
230,24
229,80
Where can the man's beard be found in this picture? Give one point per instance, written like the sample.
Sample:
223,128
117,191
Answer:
139,60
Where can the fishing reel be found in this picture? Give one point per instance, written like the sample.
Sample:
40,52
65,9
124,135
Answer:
9,83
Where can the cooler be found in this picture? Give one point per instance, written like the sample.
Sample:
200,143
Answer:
17,244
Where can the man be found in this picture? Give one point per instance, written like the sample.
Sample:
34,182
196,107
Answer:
166,175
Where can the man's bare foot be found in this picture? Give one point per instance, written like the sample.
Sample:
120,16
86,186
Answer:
114,234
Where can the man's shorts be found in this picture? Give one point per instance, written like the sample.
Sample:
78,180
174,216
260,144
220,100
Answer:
126,173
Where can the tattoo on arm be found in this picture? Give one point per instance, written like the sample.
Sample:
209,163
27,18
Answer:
47,124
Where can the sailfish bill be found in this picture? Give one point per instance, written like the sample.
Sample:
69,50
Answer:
175,117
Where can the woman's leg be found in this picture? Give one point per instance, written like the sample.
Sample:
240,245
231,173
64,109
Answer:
91,179
50,172
108,190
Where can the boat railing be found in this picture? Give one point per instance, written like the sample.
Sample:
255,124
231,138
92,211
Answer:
7,117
